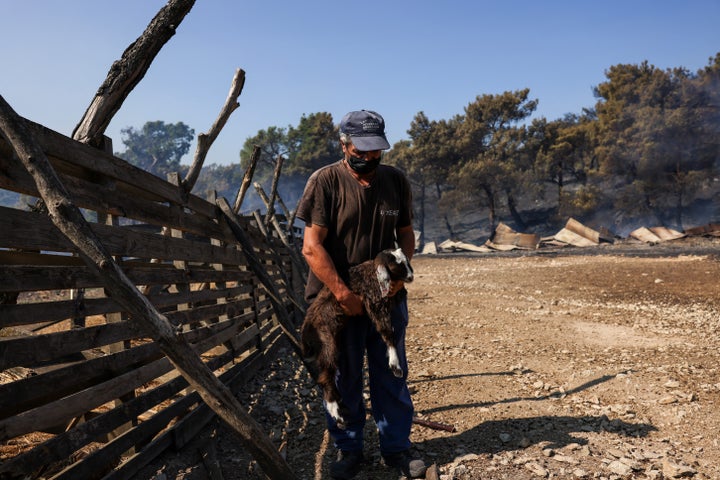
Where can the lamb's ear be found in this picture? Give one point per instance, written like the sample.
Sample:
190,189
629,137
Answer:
383,277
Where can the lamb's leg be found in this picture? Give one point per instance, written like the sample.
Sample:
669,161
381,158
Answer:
310,342
394,361
331,396
327,363
384,327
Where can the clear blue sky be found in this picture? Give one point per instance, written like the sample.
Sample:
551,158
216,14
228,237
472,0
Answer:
398,57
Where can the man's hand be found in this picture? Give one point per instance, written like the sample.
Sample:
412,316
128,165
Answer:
351,304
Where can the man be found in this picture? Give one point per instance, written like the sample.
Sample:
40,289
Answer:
353,209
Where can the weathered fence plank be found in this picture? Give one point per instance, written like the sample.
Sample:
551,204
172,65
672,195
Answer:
35,231
36,390
28,351
51,276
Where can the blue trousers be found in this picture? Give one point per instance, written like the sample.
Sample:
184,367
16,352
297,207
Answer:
392,407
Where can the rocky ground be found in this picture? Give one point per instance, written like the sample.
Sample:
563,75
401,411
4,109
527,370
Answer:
597,363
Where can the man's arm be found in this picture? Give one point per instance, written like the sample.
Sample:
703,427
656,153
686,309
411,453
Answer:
406,240
322,266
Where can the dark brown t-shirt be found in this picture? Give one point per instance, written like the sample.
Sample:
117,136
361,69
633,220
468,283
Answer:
361,221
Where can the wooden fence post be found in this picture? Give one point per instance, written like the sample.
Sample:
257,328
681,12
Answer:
292,249
247,179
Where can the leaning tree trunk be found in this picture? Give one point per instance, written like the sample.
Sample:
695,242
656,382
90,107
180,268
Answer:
492,217
448,225
679,212
514,213
679,178
127,72
421,216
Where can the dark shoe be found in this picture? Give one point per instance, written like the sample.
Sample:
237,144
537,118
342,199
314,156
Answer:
347,465
408,466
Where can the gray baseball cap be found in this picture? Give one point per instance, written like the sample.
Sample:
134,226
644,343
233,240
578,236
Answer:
366,129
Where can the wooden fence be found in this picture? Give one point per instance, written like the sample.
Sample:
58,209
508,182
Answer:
84,391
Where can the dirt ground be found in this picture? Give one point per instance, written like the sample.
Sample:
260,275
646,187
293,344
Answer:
598,363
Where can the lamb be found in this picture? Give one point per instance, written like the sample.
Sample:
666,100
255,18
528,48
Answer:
325,319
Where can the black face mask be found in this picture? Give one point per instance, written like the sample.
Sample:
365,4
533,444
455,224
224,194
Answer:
362,166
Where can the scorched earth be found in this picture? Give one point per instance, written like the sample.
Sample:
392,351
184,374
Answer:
596,363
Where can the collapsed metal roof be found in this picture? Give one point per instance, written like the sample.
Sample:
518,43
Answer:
573,234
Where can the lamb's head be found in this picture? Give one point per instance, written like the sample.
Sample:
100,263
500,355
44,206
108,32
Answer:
392,265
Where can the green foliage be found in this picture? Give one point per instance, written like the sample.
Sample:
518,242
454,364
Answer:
312,144
157,147
658,132
427,160
580,203
491,143
305,148
273,143
646,149
563,151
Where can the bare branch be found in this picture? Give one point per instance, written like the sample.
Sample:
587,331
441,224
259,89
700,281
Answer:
205,140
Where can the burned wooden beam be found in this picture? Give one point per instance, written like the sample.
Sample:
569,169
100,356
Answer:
127,72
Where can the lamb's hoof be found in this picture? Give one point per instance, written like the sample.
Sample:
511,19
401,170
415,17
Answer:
397,371
335,410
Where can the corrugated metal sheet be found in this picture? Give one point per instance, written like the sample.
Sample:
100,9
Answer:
506,236
451,246
578,235
656,234
712,229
